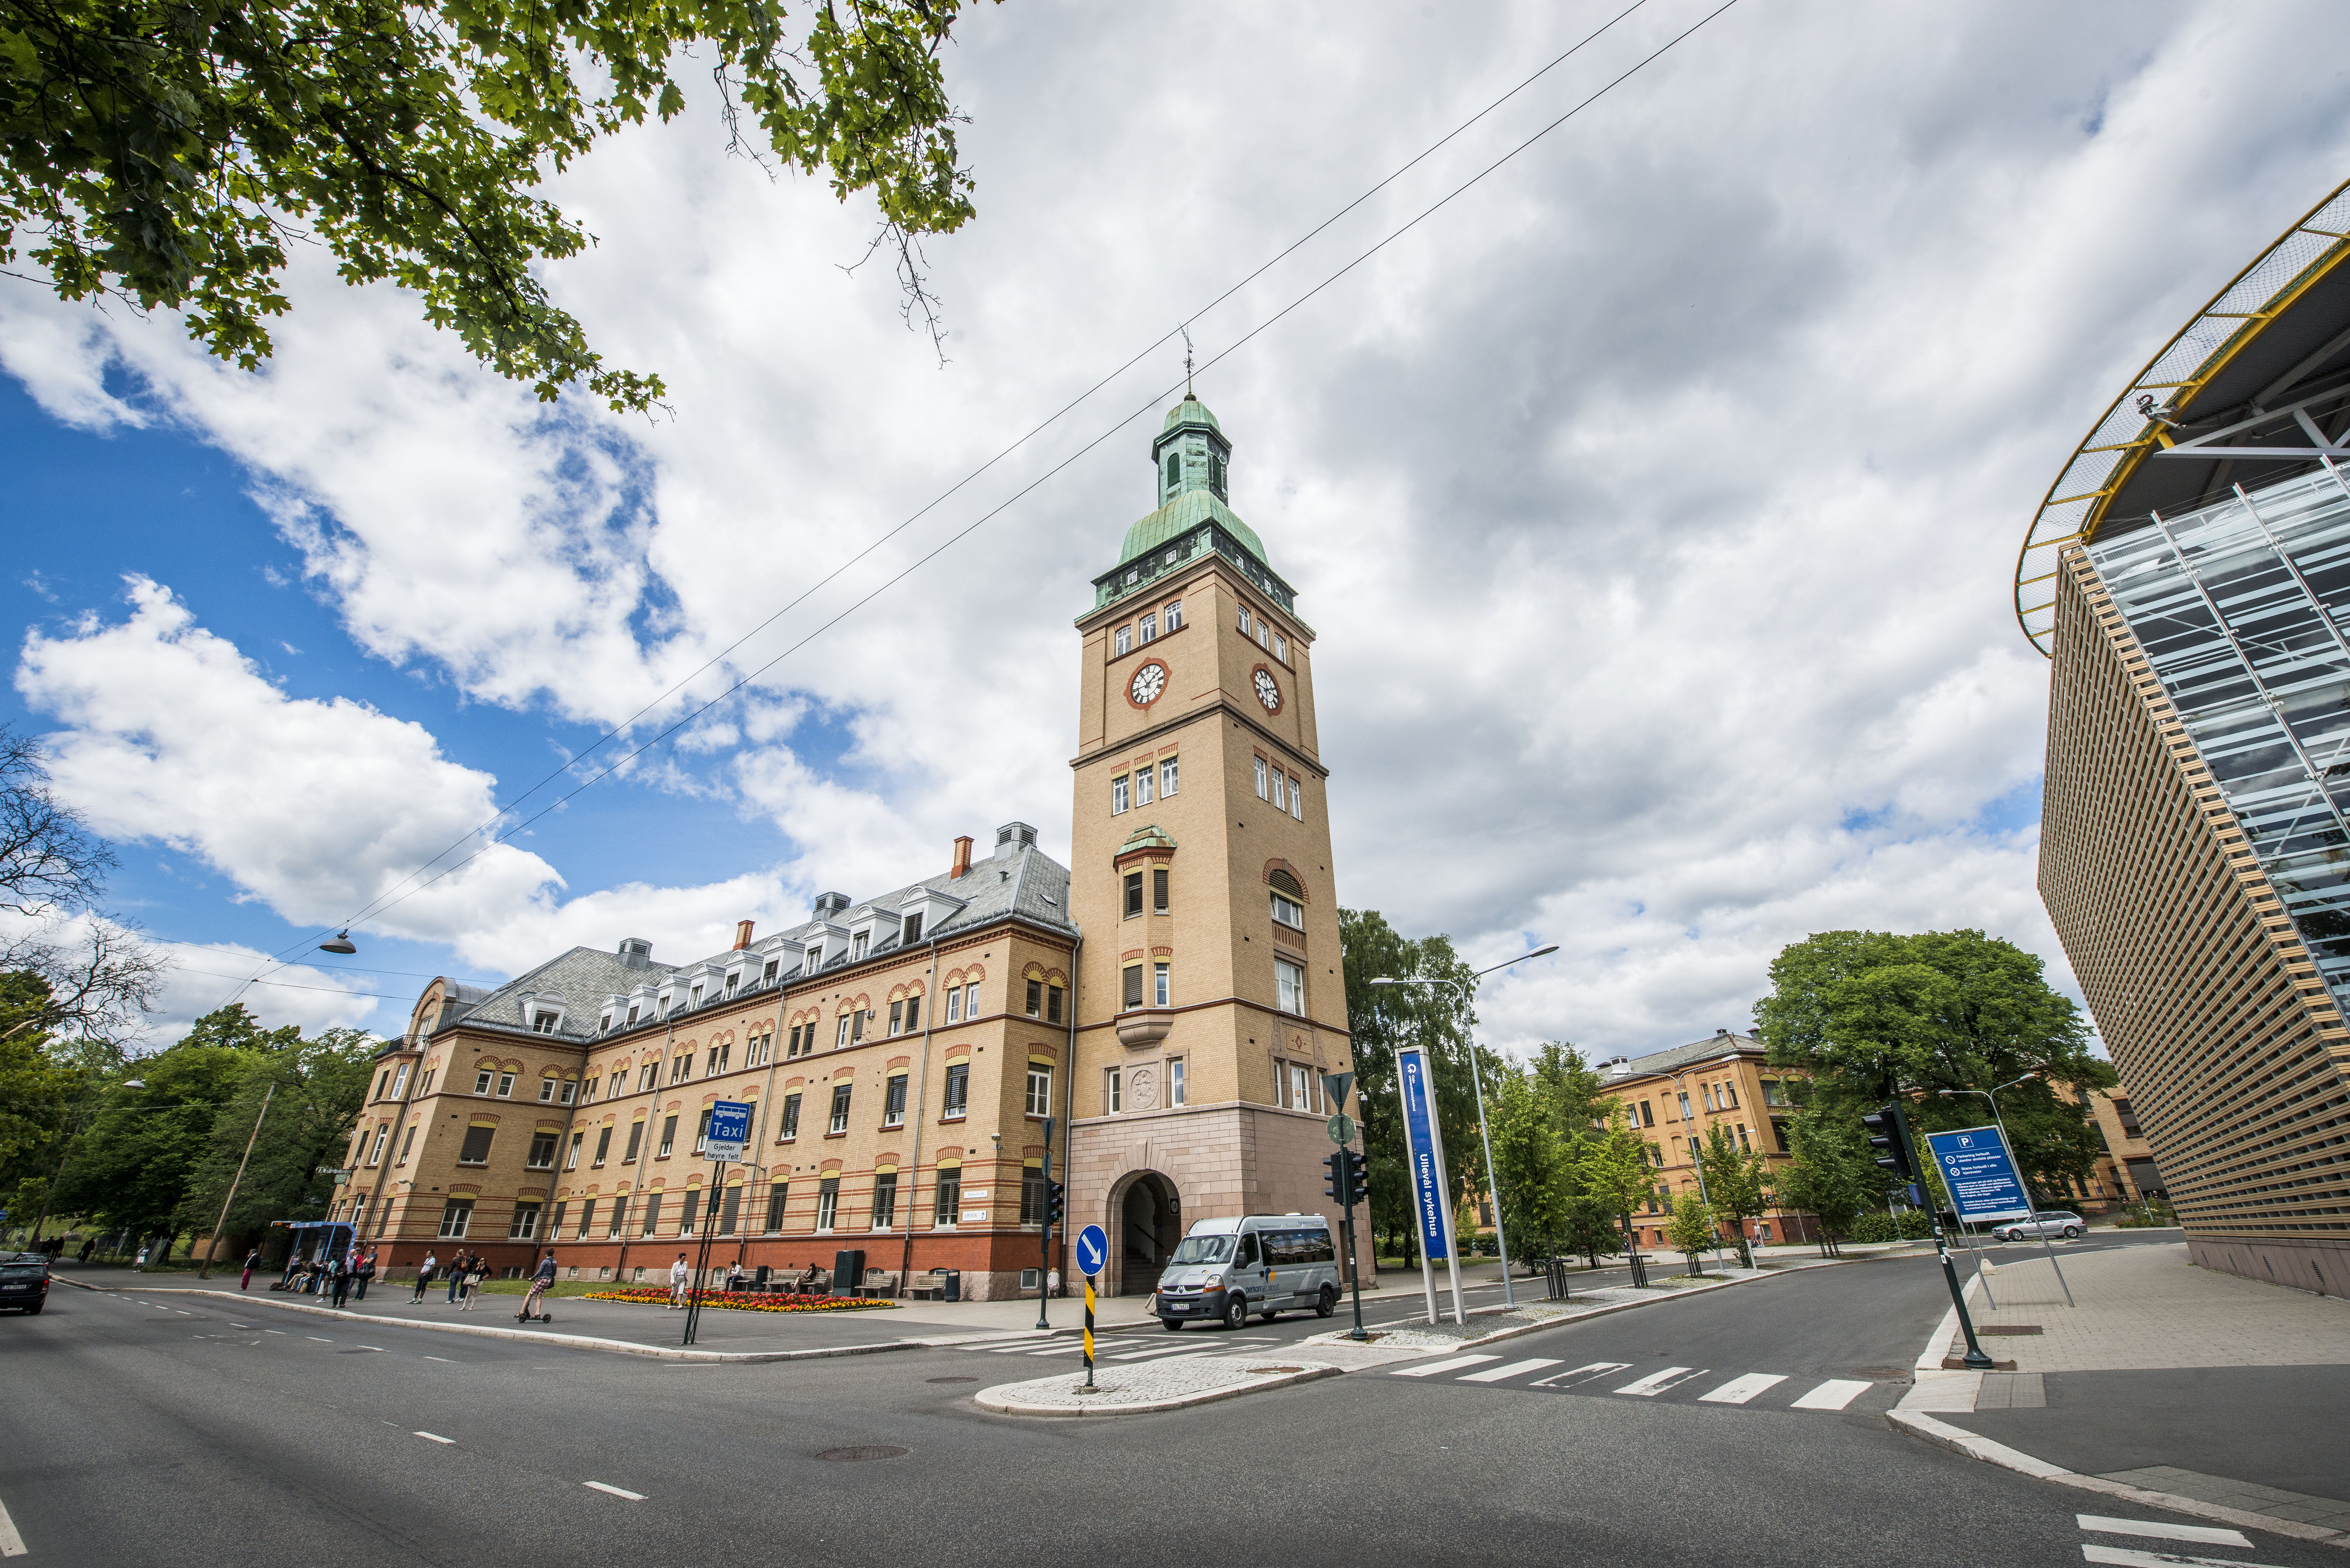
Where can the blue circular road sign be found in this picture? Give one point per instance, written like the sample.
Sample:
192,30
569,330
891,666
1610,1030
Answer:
1093,1250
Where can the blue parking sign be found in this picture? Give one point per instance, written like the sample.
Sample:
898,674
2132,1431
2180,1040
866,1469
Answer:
1981,1174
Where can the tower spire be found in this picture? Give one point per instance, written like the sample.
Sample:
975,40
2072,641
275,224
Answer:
1186,330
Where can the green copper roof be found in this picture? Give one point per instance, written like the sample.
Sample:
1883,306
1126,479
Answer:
1149,837
1191,411
1180,516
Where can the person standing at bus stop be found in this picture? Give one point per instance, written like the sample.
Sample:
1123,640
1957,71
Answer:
366,1273
424,1277
457,1266
251,1259
339,1271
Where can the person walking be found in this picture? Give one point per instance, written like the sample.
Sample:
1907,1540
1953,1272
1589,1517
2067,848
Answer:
340,1272
366,1273
476,1272
540,1283
251,1259
424,1271
677,1276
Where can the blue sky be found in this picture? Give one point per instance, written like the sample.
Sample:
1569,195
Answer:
1655,504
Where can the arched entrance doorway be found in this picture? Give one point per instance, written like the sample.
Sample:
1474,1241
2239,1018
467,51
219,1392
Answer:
1149,1221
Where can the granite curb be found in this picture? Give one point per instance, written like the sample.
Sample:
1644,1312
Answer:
563,1341
991,1400
1926,1429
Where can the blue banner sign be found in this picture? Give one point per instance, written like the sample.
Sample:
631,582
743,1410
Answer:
1424,1145
1980,1174
730,1129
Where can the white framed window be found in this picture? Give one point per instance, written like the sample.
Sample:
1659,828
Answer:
524,1223
1167,779
1159,984
1288,986
506,1085
885,1201
1281,647
1142,786
1280,789
1126,640
571,1160
1175,1086
839,1121
1243,622
1261,775
1113,1090
856,945
971,1001
547,1087
1264,636
632,1015
840,1031
1151,627
605,1026
695,998
455,1216
1039,1102
400,1080
1288,911
956,1101
828,1204
1174,615
893,1101
954,1005
1296,800
1117,787
382,1136
483,1079
1301,1091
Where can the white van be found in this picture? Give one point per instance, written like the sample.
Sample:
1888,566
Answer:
1263,1264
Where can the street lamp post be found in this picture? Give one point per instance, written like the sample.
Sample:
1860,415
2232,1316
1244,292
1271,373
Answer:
1992,1095
1461,989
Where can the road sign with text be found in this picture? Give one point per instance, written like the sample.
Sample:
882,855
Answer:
730,1129
1980,1174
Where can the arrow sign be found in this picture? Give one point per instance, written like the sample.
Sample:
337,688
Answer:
1093,1250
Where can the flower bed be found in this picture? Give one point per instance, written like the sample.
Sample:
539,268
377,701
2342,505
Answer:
742,1301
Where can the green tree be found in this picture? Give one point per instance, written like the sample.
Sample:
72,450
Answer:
320,1085
1614,1170
1833,1174
1590,1230
1737,1184
1690,1228
1386,1017
164,153
1573,1094
1529,1165
1865,1013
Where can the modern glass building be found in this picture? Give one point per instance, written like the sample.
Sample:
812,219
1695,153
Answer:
2189,577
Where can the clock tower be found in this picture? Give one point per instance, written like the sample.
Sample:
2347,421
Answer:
1209,994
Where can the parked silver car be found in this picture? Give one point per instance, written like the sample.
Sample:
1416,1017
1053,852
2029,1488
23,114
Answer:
2046,1223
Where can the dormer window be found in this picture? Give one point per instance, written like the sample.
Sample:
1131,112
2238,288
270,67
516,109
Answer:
544,1023
605,1027
910,932
856,945
731,981
695,998
632,1012
769,972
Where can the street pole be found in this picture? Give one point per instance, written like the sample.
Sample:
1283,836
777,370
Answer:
1975,1360
1492,1189
709,1223
1090,1331
212,1251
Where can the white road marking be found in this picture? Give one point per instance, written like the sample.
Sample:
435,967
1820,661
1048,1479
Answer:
377,1348
1495,1374
272,1331
2159,1529
616,1491
2131,1559
1582,1375
440,1358
1454,1364
315,1339
1833,1395
433,1437
1738,1390
11,1543
1656,1382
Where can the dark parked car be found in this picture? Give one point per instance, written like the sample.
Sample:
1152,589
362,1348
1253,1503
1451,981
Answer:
24,1282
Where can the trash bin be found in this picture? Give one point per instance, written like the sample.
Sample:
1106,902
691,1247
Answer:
954,1285
847,1272
760,1278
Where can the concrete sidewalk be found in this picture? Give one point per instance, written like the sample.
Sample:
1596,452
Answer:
2165,1377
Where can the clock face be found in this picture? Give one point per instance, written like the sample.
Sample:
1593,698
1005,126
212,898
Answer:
1148,683
1267,692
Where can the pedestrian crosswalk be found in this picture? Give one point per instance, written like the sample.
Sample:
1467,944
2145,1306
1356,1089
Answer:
1620,1379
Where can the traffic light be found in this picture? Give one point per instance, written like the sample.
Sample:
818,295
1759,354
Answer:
1358,1178
1333,1177
1883,1126
1053,1190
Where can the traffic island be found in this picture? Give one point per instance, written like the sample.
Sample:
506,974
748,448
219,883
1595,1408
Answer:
1156,1386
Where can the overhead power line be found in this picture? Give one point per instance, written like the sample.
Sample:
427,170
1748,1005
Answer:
386,901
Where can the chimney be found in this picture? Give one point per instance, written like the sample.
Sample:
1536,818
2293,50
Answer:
742,935
962,857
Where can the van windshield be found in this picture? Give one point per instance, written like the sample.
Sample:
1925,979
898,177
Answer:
1203,1250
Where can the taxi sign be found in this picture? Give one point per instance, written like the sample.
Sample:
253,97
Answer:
1093,1250
730,1129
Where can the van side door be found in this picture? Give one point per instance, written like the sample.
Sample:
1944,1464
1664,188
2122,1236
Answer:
1247,1273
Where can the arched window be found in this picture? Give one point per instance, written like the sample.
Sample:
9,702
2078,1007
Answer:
1174,470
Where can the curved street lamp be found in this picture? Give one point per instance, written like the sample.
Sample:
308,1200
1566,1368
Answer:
1462,989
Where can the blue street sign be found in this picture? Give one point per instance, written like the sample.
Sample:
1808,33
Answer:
1093,1250
730,1129
1979,1175
1427,1155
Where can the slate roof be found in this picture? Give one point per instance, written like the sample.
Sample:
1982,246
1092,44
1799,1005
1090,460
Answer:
1712,1048
1018,881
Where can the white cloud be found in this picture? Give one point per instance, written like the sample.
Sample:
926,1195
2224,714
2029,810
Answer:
1655,503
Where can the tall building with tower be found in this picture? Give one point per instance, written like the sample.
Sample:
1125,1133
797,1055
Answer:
2189,576
1166,1003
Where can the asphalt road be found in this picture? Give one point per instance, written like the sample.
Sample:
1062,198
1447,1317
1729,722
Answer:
156,1429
